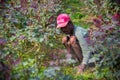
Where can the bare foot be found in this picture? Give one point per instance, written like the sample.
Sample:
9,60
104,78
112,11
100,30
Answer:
81,68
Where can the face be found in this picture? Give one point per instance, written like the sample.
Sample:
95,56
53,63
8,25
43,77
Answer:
69,29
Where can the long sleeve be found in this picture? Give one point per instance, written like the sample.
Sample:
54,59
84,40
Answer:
79,33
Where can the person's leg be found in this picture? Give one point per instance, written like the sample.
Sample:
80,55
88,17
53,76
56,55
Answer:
73,46
66,43
76,47
85,61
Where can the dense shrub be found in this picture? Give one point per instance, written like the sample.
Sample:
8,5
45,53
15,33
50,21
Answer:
29,40
105,38
27,35
103,7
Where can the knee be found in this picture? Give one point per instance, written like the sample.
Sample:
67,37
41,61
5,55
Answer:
73,40
64,40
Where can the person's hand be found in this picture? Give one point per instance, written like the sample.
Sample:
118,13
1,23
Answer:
64,40
67,40
73,39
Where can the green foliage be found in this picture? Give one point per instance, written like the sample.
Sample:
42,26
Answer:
106,42
29,30
64,73
74,9
103,7
29,39
105,37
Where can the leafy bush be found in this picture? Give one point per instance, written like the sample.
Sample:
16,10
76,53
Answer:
103,7
105,38
28,39
27,35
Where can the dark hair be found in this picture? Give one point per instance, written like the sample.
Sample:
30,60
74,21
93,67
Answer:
70,24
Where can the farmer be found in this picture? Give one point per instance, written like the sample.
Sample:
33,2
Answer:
74,41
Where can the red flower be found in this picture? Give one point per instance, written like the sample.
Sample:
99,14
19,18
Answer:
97,22
116,17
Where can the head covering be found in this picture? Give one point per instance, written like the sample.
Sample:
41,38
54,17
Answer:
62,20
